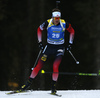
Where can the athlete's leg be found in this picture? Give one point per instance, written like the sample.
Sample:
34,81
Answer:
56,68
55,73
40,63
59,54
33,75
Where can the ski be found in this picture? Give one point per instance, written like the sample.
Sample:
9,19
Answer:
55,94
17,91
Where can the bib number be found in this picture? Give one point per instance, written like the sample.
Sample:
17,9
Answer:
55,35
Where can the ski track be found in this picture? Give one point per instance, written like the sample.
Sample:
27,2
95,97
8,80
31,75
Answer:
45,94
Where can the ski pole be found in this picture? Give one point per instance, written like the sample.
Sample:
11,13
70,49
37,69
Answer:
70,73
77,62
37,59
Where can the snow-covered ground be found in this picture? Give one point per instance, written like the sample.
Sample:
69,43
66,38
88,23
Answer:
45,94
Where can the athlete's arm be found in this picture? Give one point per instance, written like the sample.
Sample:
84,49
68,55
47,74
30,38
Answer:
71,31
40,29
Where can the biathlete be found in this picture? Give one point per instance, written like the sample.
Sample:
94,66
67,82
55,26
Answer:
55,46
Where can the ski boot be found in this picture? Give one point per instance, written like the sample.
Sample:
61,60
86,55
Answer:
53,90
27,85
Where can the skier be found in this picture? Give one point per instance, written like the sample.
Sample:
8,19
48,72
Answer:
55,46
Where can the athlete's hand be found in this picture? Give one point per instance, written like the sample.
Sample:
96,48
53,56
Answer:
40,45
69,47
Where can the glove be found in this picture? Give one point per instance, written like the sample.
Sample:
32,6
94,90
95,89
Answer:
69,47
40,45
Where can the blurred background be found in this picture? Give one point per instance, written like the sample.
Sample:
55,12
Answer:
19,20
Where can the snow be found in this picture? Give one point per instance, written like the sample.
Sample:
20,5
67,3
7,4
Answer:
45,94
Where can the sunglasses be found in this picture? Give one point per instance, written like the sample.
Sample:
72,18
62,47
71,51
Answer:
56,18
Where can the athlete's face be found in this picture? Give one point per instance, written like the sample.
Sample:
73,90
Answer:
56,20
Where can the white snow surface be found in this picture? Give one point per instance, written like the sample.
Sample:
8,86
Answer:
45,94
